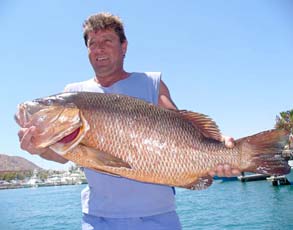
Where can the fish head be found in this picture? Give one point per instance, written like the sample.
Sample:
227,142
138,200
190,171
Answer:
59,123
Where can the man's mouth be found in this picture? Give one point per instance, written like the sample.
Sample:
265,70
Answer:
101,58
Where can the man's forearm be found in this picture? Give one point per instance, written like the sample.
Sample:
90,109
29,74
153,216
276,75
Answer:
52,156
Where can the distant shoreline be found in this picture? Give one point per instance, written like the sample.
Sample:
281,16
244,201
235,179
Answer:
17,186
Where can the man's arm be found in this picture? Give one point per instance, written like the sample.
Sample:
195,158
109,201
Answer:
165,97
165,101
25,135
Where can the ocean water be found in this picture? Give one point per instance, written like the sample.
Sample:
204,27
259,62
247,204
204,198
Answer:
228,205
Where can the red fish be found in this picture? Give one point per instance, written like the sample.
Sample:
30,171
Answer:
125,136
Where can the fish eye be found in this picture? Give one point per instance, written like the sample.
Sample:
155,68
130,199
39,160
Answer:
46,101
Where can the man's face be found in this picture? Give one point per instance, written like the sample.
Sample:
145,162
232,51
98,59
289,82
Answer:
105,51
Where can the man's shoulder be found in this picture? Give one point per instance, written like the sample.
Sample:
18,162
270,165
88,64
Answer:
153,73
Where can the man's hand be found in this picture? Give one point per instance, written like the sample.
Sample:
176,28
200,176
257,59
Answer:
25,138
229,141
225,170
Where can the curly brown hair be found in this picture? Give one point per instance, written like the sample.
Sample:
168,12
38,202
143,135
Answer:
103,21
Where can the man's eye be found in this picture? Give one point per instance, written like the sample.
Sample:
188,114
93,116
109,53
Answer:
108,41
92,43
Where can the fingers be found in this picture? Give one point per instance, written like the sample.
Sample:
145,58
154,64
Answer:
224,171
25,136
236,172
212,173
229,141
25,132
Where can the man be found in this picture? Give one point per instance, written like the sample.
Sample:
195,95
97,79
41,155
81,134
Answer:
111,202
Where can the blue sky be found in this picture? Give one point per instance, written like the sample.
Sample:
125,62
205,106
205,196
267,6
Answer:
231,60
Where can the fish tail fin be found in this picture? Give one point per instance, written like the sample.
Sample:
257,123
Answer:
262,152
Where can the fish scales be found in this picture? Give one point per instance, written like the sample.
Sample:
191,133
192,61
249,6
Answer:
165,140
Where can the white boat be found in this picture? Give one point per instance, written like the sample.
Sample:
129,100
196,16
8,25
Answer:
283,179
290,175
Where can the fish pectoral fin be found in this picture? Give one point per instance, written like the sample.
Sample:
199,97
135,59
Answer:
112,161
200,183
206,125
93,158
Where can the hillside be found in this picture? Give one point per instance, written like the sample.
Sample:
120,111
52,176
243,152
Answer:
14,163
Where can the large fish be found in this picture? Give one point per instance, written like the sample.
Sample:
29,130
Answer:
125,136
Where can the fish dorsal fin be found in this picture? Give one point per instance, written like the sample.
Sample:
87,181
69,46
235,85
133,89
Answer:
206,125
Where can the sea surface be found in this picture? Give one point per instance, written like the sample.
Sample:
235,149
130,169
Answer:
225,205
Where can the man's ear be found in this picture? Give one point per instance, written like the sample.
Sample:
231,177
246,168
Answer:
124,47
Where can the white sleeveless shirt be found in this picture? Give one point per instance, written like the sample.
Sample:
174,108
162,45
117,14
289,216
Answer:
118,197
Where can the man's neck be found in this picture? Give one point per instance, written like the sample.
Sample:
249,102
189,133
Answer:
107,81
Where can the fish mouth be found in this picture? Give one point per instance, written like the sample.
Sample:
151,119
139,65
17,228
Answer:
57,128
23,115
71,138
